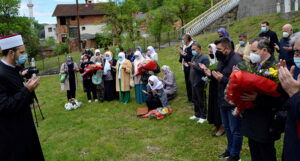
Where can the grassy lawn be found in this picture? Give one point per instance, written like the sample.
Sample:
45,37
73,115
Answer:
111,131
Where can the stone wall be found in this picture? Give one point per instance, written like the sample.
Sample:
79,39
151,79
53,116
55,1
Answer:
223,21
256,7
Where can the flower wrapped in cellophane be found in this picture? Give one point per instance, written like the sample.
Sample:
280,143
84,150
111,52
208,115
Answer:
264,82
146,65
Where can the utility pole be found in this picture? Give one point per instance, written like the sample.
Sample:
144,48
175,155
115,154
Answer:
78,27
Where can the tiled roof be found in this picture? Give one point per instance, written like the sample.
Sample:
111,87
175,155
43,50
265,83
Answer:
84,10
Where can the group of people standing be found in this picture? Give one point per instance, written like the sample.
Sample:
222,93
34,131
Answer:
118,76
263,124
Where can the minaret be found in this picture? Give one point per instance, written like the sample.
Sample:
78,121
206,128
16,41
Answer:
30,7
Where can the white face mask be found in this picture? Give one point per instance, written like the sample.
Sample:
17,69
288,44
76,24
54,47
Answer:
285,34
255,58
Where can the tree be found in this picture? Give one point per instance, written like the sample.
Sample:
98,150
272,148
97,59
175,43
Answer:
11,23
120,18
8,11
160,20
186,10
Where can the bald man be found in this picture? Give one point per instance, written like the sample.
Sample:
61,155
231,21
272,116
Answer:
285,49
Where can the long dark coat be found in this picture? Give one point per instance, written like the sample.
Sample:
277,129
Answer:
18,136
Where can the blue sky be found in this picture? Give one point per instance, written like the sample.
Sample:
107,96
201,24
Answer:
43,9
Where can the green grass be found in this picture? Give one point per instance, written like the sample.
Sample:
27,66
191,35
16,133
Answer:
111,131
251,26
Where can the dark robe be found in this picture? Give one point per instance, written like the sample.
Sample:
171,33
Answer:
291,147
18,136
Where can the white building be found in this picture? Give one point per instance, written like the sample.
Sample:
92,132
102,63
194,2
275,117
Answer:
51,32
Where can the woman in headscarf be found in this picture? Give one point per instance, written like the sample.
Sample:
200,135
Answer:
224,33
156,97
139,85
152,54
169,81
123,68
97,77
88,85
214,116
212,49
109,74
70,84
138,48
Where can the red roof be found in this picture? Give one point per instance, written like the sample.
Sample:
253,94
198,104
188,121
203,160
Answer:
84,10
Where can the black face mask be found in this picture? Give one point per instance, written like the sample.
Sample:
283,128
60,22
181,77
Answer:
211,56
220,56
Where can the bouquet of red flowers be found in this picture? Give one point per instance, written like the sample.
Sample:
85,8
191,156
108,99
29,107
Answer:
147,65
241,82
91,68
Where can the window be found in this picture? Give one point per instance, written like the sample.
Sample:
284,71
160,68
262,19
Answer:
82,17
73,32
63,37
83,28
62,21
73,18
50,29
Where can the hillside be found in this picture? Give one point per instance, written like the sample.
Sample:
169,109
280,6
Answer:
111,131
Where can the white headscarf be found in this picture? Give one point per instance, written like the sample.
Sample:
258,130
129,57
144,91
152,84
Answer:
121,61
214,50
157,84
152,52
137,60
107,66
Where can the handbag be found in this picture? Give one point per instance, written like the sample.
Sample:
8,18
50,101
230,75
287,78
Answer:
97,78
62,77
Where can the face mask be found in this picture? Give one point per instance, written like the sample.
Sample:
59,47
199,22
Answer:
242,43
22,59
255,58
194,53
285,34
297,61
220,56
263,29
69,63
120,59
86,60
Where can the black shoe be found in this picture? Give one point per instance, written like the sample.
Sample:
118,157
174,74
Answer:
101,100
224,155
236,158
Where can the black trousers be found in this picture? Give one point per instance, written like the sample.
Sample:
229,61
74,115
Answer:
262,151
72,92
153,102
199,99
188,85
90,88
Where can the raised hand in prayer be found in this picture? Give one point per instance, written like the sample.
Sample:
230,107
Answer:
217,75
288,83
206,70
235,68
154,92
32,84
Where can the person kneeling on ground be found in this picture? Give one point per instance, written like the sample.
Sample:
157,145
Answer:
169,81
156,97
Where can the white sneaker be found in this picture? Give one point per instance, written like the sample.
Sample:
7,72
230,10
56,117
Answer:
96,100
90,101
201,121
193,118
